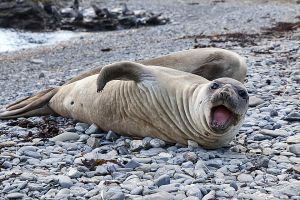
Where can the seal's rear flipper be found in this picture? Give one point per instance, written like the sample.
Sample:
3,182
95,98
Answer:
30,106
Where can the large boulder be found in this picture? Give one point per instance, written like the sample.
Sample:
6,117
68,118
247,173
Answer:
28,15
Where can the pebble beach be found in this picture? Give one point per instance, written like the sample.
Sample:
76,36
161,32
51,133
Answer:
51,157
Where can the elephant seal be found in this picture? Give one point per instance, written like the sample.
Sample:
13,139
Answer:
138,100
210,63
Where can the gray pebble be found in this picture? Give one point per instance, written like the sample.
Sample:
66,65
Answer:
122,150
255,101
102,170
65,181
263,162
261,137
156,143
81,127
195,191
15,195
190,198
274,133
6,165
112,194
92,193
273,113
83,138
93,142
159,195
245,178
93,129
217,163
171,188
137,191
295,139
162,180
190,156
63,193
192,144
146,142
293,117
152,151
73,173
295,148
32,154
111,136
132,164
66,136
136,145
234,185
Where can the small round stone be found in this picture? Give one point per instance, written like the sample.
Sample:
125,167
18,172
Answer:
245,178
65,181
66,136
162,180
156,143
15,195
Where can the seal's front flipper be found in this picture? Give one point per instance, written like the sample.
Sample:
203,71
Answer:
128,71
31,106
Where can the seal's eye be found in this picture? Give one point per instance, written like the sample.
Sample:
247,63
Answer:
214,86
243,94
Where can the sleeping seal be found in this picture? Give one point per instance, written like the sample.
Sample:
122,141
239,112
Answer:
134,99
210,63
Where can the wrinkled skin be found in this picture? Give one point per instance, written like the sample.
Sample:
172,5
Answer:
153,101
138,100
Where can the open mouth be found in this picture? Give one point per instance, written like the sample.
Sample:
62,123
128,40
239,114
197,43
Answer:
221,117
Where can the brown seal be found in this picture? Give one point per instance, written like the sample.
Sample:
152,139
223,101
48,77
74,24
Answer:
210,63
138,100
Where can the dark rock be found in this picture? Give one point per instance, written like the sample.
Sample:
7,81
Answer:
111,136
27,14
260,137
273,113
93,129
42,75
295,148
122,150
132,164
263,162
234,185
146,142
293,117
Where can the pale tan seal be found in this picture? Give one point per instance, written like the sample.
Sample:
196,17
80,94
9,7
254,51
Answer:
156,101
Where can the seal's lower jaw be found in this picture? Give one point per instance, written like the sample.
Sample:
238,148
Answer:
221,118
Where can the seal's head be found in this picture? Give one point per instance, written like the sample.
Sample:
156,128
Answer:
226,104
221,108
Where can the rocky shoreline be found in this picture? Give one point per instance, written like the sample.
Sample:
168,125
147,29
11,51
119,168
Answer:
57,158
49,15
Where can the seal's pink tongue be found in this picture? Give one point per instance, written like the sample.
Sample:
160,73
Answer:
221,115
